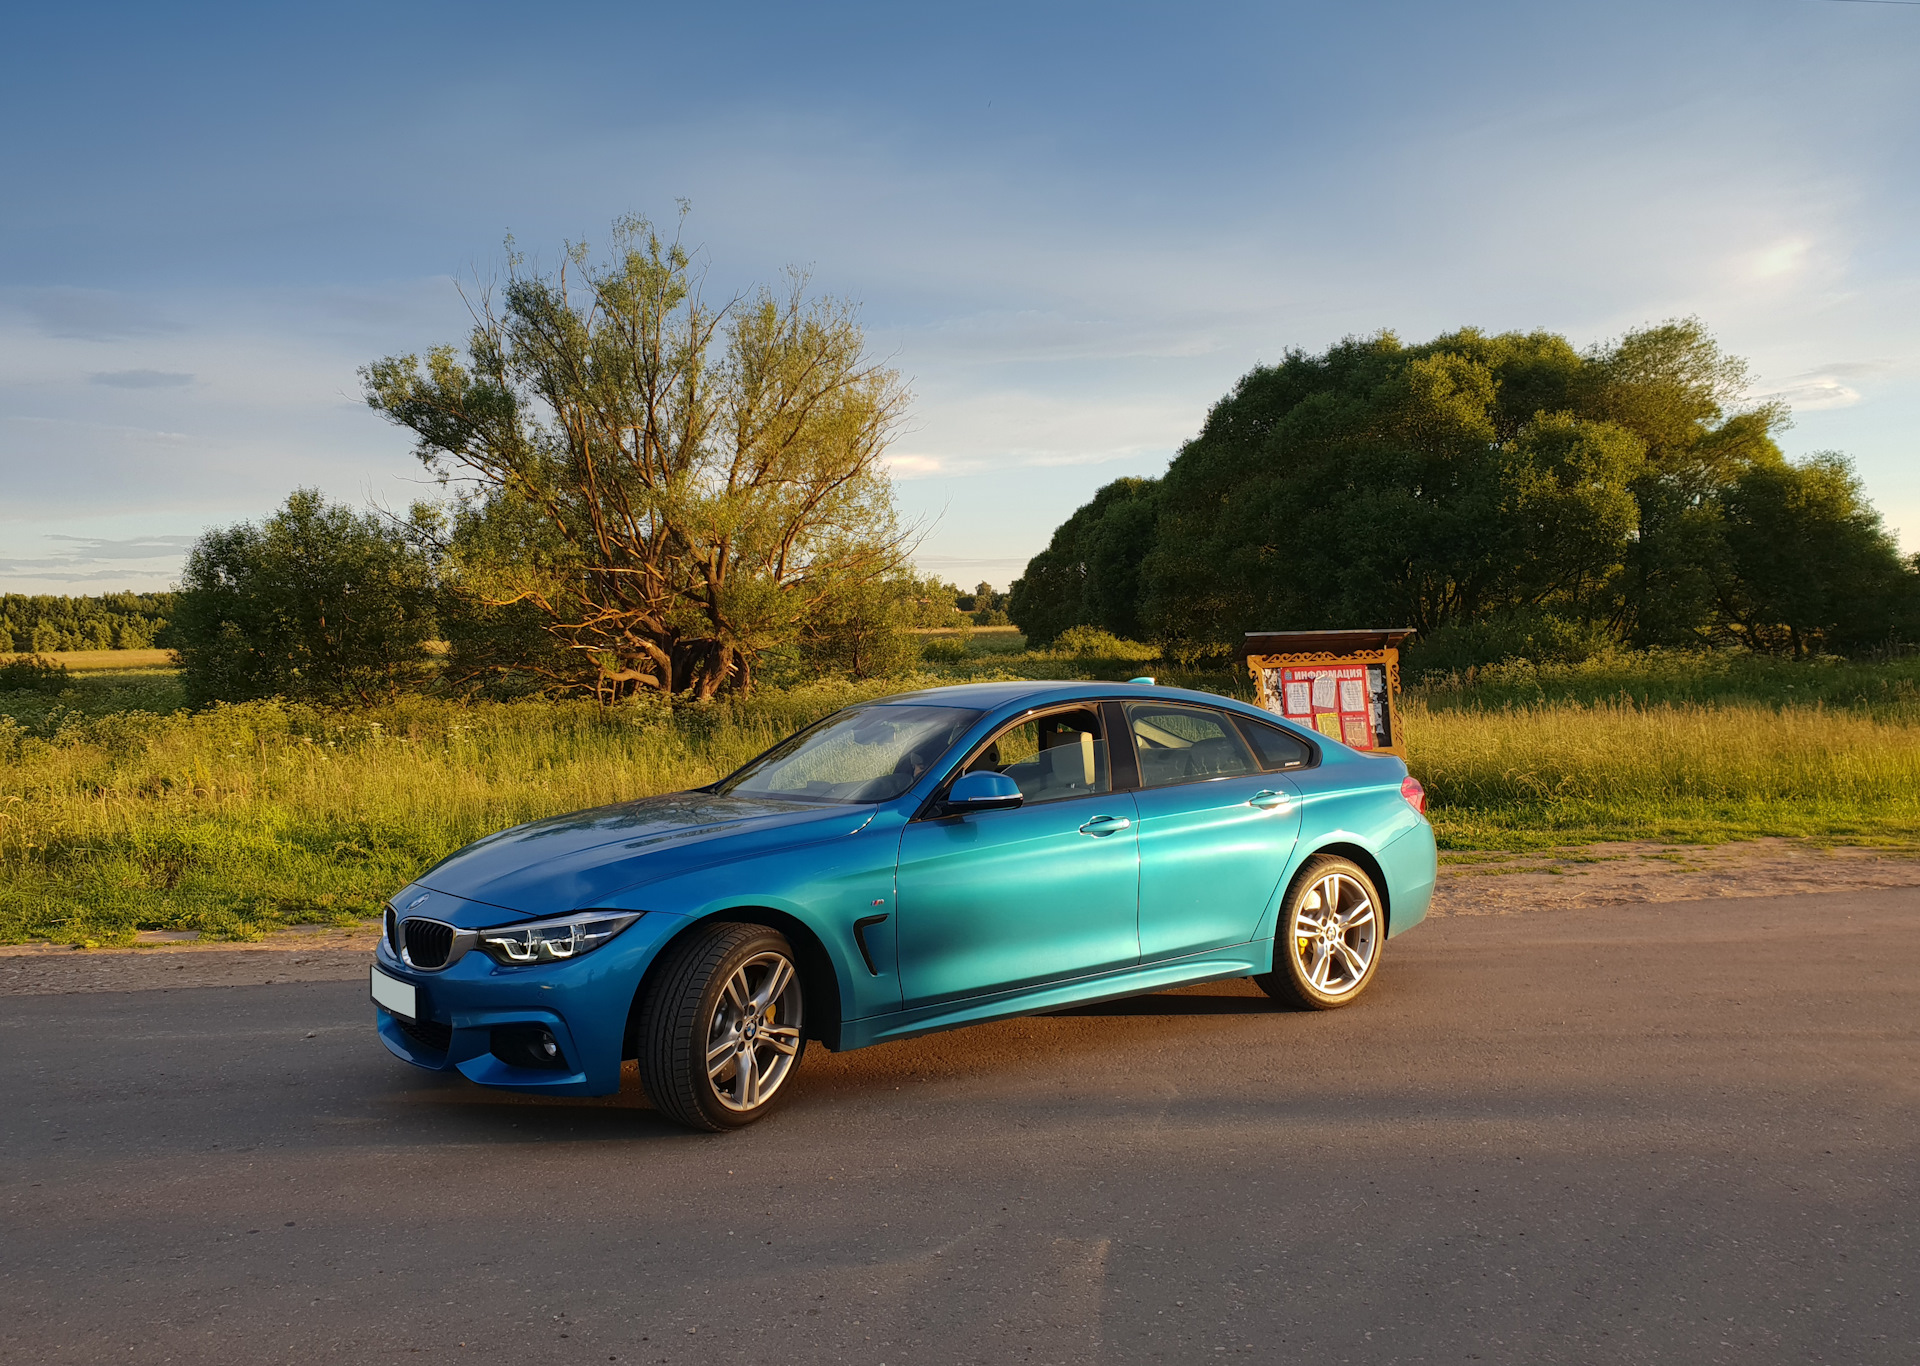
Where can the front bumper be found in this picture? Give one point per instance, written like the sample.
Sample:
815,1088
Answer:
583,1003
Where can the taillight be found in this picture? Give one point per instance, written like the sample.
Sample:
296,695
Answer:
1415,794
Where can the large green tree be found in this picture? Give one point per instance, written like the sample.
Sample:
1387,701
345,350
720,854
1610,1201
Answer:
1810,564
663,489
1089,574
318,601
1510,487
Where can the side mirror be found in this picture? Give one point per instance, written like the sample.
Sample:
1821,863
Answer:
982,791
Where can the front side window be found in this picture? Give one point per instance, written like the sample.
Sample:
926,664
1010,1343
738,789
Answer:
865,754
1185,745
1050,758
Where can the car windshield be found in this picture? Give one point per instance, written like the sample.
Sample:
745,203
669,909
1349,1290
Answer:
867,754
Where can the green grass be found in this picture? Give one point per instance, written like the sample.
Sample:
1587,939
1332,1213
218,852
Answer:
1559,773
235,820
1656,677
120,810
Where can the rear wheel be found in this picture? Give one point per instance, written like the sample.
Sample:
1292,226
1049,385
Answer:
1331,933
720,1032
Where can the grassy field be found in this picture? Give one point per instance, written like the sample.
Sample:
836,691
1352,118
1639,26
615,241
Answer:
120,810
1888,689
90,661
1558,773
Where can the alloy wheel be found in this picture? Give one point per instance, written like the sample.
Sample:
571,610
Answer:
1335,934
754,1036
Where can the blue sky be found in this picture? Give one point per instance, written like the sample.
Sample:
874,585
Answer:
1071,226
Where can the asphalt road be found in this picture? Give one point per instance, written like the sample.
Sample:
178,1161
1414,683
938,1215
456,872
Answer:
1682,1133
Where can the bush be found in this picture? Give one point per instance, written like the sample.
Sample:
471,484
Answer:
1538,637
318,602
945,650
35,673
1090,642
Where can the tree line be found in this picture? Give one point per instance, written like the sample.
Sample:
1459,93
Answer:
646,493
40,623
1504,495
325,602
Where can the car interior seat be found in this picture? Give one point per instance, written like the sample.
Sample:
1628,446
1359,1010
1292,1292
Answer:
1213,757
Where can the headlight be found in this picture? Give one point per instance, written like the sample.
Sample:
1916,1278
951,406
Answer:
551,941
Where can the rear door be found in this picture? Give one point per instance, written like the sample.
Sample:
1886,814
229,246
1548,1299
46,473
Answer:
1216,832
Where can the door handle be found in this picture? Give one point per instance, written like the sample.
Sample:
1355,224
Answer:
1105,825
1268,800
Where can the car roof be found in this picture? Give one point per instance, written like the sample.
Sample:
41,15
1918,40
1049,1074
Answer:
994,696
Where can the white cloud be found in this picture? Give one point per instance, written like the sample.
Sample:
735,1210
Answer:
91,314
141,379
903,466
1830,386
139,562
1814,393
1781,258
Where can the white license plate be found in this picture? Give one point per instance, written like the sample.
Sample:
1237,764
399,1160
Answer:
395,995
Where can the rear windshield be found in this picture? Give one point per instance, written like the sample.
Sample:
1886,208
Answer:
864,754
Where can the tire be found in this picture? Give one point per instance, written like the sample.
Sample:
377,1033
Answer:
1321,965
711,1000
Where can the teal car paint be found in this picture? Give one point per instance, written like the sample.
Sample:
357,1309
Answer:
1128,838
1011,899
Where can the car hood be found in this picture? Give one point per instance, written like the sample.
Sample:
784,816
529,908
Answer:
570,862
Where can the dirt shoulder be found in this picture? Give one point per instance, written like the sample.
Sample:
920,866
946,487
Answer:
1602,874
1470,884
161,962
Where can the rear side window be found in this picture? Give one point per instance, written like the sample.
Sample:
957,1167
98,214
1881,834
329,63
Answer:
1275,748
1185,745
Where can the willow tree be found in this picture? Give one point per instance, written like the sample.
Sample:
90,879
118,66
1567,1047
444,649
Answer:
662,487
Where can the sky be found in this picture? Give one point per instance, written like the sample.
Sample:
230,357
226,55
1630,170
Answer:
1072,228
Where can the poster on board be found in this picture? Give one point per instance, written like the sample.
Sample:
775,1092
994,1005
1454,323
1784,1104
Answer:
1333,699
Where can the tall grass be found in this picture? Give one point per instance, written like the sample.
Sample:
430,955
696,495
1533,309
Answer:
1651,677
121,811
234,820
1561,772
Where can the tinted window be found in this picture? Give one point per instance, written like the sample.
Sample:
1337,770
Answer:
1274,746
867,754
1185,744
1050,758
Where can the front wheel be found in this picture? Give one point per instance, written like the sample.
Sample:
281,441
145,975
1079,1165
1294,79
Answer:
1331,933
720,1032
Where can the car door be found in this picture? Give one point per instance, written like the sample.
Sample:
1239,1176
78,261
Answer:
994,901
1215,831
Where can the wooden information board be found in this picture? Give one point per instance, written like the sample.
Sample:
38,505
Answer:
1344,684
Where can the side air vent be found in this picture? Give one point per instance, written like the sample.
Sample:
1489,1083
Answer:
428,942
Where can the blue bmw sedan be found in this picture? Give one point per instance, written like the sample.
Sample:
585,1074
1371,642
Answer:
925,861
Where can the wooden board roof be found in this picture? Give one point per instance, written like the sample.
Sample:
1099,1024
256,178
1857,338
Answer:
1333,642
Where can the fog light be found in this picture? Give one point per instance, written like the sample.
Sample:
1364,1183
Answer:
528,1046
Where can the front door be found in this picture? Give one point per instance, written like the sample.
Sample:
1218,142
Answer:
1215,832
999,900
